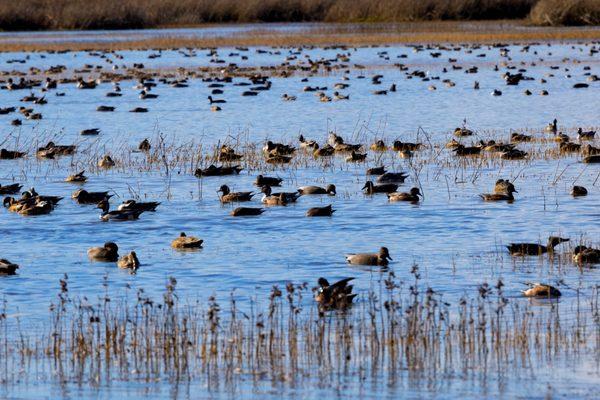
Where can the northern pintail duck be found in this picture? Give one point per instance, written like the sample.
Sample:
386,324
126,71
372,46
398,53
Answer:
289,197
337,296
216,101
281,149
186,242
371,188
105,108
513,154
325,151
589,135
380,258
133,205
326,211
552,127
82,196
246,212
117,215
330,190
578,191
412,196
593,159
277,159
541,290
227,196
107,253
535,249
213,170
129,261
77,178
7,267
267,181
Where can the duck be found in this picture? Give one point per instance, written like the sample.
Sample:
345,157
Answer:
326,211
289,197
513,154
380,258
329,190
578,191
503,191
144,95
227,196
379,145
10,189
82,196
216,101
376,170
246,211
118,215
7,267
90,132
461,132
33,194
541,290
129,261
267,181
105,108
77,178
552,127
504,185
307,144
337,296
586,255
106,162
392,177
109,252
325,151
186,242
356,157
213,170
228,154
462,150
39,207
281,149
403,146
383,188
277,159
516,137
132,205
589,135
412,196
339,96
144,145
535,249
11,154
592,159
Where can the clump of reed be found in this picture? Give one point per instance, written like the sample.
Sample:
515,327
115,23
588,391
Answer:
397,328
566,12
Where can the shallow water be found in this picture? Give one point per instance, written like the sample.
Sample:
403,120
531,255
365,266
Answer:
456,239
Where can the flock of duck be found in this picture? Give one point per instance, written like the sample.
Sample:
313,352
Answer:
379,180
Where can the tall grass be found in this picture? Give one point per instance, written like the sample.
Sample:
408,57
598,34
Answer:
129,14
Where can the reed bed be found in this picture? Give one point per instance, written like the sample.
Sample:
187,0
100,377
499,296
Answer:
397,329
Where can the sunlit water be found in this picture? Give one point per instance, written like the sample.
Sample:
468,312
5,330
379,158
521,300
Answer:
456,239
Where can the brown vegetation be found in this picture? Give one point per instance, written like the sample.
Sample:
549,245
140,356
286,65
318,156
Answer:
131,14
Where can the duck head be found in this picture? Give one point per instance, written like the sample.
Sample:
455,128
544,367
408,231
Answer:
224,189
555,241
384,253
331,190
416,192
104,206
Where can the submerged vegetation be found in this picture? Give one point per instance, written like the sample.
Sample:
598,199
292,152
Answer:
130,14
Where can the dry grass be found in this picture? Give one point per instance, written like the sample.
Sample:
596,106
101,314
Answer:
566,12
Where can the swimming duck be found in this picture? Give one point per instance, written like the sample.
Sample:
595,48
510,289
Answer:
213,170
461,132
144,145
380,258
376,171
267,181
589,135
593,159
504,186
105,108
534,249
330,190
277,159
280,149
590,150
216,101
82,196
39,207
246,212
569,147
541,290
338,296
90,132
325,151
500,195
578,191
132,205
347,148
462,150
356,157
289,197
384,188
379,145
402,146
186,242
107,253
10,189
552,127
10,155
144,95
307,144
118,215
326,211
586,255
7,267
77,178
227,154
516,137
129,261
227,196
106,162
412,196
392,177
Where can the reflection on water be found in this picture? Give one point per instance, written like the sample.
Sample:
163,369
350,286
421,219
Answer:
455,238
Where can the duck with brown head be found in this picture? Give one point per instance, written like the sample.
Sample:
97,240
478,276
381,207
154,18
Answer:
107,253
337,296
382,258
535,249
412,196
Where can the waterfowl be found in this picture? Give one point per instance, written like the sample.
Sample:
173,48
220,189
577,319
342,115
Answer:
215,108
287,97
552,127
77,178
376,171
356,157
383,188
106,162
267,181
144,95
138,110
129,261
516,137
500,195
561,138
461,150
412,196
347,148
589,135
379,145
461,132
132,205
586,255
39,207
326,211
216,101
307,144
118,215
513,154
590,150
246,212
227,196
339,96
7,267
541,290
272,148
503,186
213,170
594,159
277,159
82,196
90,132
578,191
402,146
325,151
330,190
569,147
380,258
338,296
392,177
186,242
10,154
534,249
227,154
105,108
144,145
10,189
278,198
107,253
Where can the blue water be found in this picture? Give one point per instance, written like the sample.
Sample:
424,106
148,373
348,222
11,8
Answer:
455,238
